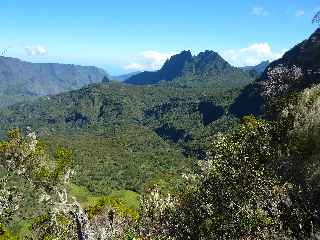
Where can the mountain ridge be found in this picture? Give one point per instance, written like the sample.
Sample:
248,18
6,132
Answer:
257,70
20,80
124,77
207,66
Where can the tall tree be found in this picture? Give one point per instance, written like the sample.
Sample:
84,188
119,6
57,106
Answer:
316,18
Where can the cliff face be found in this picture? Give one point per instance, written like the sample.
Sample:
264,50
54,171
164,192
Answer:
298,69
23,79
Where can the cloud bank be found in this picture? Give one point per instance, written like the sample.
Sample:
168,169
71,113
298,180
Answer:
300,13
149,60
259,11
251,55
37,50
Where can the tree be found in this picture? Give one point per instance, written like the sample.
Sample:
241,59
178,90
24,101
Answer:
25,159
316,18
59,216
235,194
281,79
105,79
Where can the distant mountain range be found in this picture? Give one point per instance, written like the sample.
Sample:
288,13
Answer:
207,68
194,84
20,80
256,71
124,77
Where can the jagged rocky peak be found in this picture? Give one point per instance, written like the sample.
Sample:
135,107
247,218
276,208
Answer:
178,58
207,67
174,66
212,57
171,69
208,63
209,55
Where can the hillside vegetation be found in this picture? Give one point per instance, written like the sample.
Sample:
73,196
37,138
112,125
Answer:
199,171
111,118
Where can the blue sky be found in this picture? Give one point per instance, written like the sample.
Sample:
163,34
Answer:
128,35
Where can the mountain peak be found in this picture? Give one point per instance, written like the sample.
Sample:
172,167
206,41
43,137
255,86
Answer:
171,69
209,54
207,67
181,57
178,59
207,63
174,66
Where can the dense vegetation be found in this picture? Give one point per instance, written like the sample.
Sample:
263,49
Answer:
127,137
114,128
253,185
198,171
123,135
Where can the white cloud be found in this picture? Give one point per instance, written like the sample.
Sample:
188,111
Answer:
259,11
300,13
156,59
252,55
149,60
134,66
37,50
